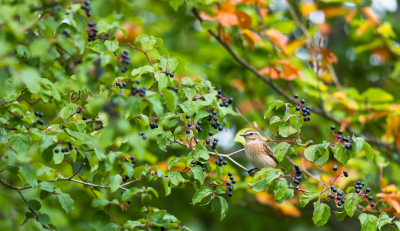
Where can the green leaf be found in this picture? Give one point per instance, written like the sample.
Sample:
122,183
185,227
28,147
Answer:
44,219
112,227
201,151
34,204
103,27
115,182
189,92
285,130
316,151
263,172
200,195
322,212
23,51
377,95
99,220
175,177
47,186
131,225
275,103
368,222
342,154
175,161
198,174
351,203
29,173
171,99
220,171
280,189
358,144
224,207
68,110
305,198
66,202
130,193
397,223
167,188
112,46
21,143
281,151
368,151
384,219
340,215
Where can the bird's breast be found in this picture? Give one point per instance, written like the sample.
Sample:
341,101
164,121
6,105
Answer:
256,155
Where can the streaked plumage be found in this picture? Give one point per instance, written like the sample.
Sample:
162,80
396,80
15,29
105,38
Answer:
258,152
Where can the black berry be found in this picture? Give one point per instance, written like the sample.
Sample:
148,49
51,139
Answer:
345,174
296,96
348,146
230,173
144,137
340,132
210,133
368,190
230,194
187,116
335,167
372,205
56,150
129,201
303,101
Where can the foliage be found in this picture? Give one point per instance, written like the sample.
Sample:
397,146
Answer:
75,111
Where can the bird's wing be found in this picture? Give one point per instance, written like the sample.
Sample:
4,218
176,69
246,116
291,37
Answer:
268,151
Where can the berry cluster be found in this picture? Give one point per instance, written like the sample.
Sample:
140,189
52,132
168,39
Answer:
170,74
188,125
92,31
39,114
198,128
142,135
199,164
220,160
66,34
214,143
141,91
230,183
133,166
63,150
153,125
86,7
118,84
305,111
225,101
342,140
125,60
297,175
216,124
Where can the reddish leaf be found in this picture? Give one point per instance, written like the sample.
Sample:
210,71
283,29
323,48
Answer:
278,39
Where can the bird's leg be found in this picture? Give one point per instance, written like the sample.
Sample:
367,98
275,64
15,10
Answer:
250,172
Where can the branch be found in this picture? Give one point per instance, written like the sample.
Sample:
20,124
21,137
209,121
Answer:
282,92
83,163
145,53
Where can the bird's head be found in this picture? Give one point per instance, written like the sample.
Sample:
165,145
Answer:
250,135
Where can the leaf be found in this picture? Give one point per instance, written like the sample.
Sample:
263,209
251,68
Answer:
68,110
281,151
34,204
198,173
23,51
200,195
44,219
130,193
368,222
278,40
99,220
224,207
66,202
273,104
305,198
274,123
220,171
384,219
263,172
368,151
317,153
112,46
342,154
358,144
175,177
175,161
21,143
47,186
171,99
167,188
28,215
377,95
280,189
112,227
351,203
321,214
115,182
340,215
201,151
286,130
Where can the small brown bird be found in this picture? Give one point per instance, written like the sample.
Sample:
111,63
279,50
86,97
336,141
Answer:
258,152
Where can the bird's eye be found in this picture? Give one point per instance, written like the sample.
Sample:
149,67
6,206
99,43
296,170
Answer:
251,134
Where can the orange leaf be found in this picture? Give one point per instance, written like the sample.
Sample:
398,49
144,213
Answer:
290,72
273,73
370,14
264,12
226,19
251,37
227,6
225,37
363,27
132,31
324,28
258,2
332,12
328,56
244,19
350,16
278,40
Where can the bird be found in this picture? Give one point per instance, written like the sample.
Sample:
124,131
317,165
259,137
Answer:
258,152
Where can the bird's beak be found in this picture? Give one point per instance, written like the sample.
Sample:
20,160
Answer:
242,135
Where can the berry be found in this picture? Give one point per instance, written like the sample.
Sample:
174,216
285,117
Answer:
372,205
340,132
56,150
345,174
305,119
339,197
167,73
296,182
233,181
230,174
303,101
220,129
231,188
332,196
296,96
129,201
171,75
217,162
210,133
193,162
225,162
231,177
333,128
348,146
366,195
220,158
37,113
334,189
228,183
342,201
299,172
118,84
230,100
219,91
208,141
297,167
230,194
187,116
66,149
357,190
305,114
144,137
40,122
370,198
340,193
214,113
70,143
215,118
339,137
204,169
226,104
188,131
308,108
304,109
199,123
141,133
297,108
122,192
189,124
84,118
368,190
216,139
339,203
335,167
